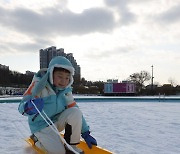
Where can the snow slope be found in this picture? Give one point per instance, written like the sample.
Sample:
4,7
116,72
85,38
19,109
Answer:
122,127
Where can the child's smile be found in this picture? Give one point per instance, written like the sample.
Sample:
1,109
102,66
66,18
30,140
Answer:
61,79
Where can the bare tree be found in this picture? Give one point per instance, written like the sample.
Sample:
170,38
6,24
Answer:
172,82
139,79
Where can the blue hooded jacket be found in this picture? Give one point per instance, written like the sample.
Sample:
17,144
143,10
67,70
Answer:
55,99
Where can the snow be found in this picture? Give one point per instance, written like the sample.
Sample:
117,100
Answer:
121,127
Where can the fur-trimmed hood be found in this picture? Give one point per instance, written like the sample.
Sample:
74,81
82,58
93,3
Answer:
61,62
47,74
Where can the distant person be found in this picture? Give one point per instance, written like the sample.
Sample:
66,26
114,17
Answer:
51,92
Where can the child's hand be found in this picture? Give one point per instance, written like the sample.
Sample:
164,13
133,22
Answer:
29,107
89,139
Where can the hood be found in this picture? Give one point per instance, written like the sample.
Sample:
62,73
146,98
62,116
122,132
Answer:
62,62
47,74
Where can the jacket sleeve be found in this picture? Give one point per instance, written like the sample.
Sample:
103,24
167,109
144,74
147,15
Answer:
27,95
72,103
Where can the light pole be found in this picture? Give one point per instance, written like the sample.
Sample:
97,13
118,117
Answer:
152,80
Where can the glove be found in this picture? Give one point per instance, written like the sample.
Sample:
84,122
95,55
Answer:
29,107
89,139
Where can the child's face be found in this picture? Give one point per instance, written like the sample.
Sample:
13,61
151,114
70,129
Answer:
61,79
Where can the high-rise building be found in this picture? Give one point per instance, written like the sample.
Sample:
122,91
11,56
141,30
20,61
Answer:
47,54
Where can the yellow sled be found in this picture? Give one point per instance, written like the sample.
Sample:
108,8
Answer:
82,145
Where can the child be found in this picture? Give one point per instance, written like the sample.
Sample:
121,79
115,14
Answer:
51,92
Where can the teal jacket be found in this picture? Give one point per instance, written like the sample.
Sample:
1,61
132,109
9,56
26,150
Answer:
55,100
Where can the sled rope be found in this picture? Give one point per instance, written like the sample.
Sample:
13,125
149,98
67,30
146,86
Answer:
53,127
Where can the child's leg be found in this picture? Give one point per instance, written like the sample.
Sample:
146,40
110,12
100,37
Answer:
71,121
50,141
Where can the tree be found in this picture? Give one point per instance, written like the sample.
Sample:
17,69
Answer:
172,82
139,79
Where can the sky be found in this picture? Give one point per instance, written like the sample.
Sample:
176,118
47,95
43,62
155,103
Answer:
110,39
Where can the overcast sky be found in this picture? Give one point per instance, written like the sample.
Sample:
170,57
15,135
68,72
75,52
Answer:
110,39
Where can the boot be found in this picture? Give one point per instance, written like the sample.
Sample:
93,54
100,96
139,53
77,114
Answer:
77,149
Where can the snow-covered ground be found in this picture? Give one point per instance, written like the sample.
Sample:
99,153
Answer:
121,127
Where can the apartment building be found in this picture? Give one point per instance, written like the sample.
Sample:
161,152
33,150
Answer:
47,54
